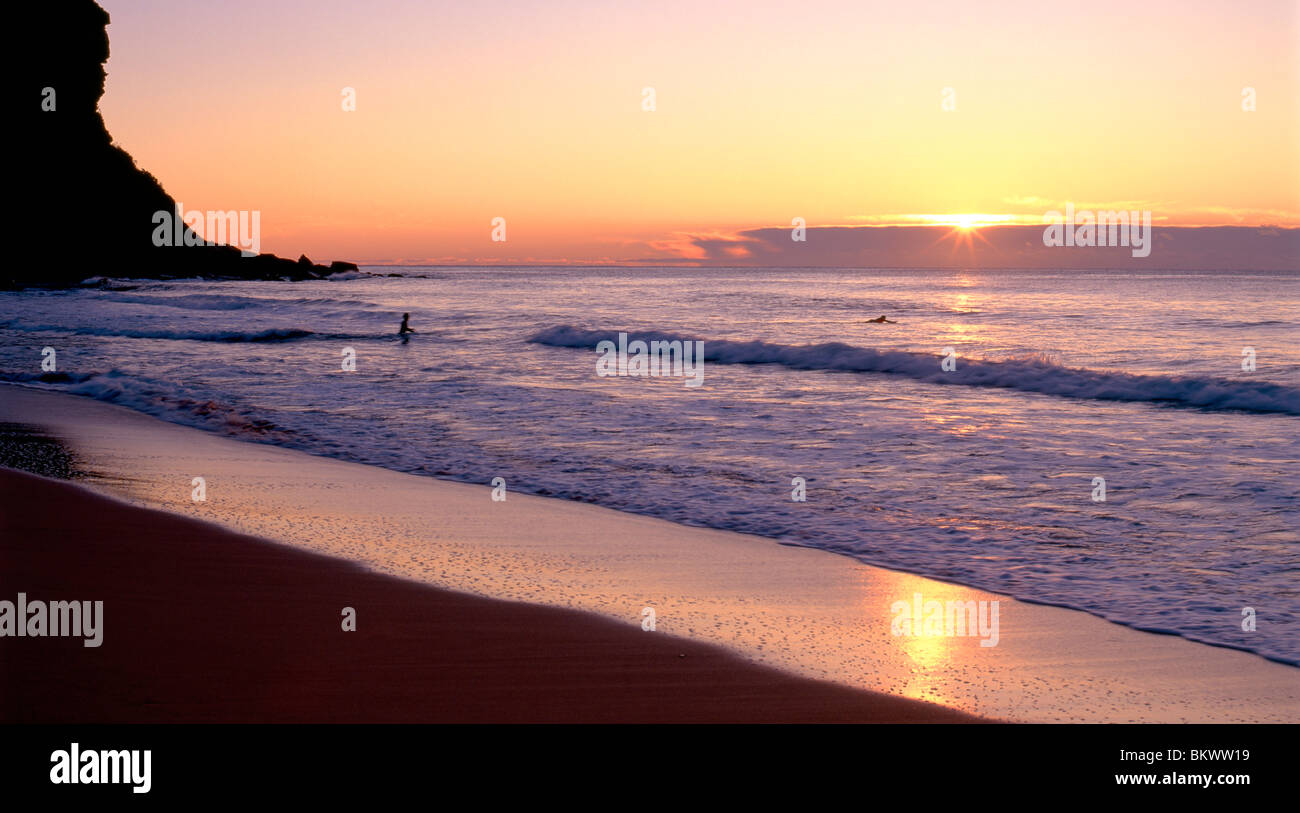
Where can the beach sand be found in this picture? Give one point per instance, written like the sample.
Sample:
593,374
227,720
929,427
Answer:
809,613
204,625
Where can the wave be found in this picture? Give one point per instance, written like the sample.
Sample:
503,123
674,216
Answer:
202,302
1026,375
221,302
157,398
46,378
226,336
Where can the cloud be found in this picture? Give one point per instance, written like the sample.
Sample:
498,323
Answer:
1007,246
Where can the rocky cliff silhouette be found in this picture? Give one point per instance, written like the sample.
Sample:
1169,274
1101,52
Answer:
87,209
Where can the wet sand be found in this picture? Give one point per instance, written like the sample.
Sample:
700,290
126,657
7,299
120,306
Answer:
203,625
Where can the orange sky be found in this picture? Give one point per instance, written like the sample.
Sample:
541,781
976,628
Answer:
827,111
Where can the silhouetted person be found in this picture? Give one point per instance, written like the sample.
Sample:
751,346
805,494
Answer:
405,328
883,320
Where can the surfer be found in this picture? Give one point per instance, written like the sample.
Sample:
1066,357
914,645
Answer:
405,328
883,320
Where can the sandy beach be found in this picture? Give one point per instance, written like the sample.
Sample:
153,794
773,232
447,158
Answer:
204,625
392,537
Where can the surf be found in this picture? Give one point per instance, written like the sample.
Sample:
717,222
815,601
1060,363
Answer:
1036,375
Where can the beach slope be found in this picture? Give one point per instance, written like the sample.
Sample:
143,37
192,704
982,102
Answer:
204,625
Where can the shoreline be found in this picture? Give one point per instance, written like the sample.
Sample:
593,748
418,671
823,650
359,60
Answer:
228,628
806,612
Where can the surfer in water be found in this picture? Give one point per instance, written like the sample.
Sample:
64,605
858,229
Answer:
405,328
883,321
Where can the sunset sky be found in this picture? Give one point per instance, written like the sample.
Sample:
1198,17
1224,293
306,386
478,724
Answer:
830,111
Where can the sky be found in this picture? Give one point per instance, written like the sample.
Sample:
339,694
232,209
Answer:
833,112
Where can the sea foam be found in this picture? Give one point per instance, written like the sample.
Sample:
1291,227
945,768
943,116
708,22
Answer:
1028,375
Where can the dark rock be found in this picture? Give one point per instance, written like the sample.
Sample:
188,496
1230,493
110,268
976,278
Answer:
84,208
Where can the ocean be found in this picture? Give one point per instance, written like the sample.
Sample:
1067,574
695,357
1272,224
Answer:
985,474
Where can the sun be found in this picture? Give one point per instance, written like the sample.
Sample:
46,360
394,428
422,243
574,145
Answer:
964,230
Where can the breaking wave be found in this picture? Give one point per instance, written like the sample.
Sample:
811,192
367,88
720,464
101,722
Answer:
157,398
1027,375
